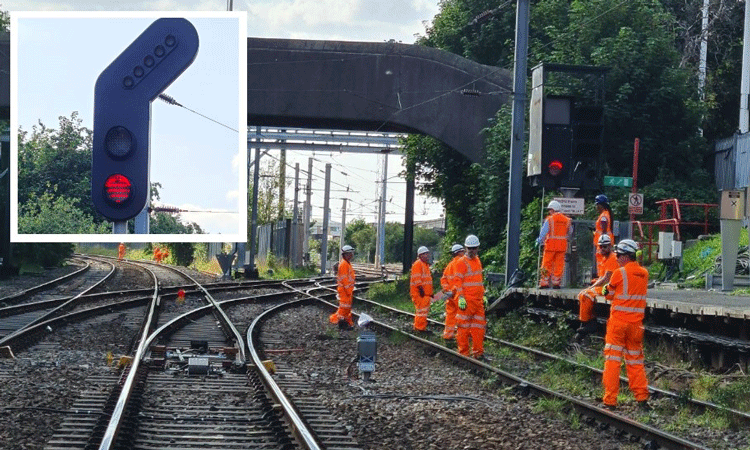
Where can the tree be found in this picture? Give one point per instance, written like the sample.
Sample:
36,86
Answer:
61,158
50,214
361,235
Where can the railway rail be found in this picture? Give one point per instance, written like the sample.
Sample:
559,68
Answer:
192,378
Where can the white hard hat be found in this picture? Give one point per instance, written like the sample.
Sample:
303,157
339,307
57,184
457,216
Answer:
604,240
554,205
456,248
422,250
471,241
347,249
626,246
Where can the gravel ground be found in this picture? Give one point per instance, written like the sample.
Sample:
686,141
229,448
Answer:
17,283
419,400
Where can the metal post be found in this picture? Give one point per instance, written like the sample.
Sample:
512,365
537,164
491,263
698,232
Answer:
120,227
254,217
324,240
343,225
142,221
380,261
517,139
745,83
308,208
294,245
408,216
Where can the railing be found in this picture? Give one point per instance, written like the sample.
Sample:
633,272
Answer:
670,207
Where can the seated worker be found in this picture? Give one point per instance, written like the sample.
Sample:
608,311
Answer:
587,297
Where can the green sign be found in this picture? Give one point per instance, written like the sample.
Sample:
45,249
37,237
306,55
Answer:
618,181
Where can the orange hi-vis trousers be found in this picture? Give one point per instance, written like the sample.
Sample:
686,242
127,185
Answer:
471,322
451,308
586,300
624,342
553,266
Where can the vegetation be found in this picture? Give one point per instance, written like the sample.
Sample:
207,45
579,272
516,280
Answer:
651,93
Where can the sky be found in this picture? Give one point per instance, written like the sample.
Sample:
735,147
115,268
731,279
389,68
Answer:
351,20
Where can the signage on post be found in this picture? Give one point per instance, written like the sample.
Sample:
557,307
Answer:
635,203
570,206
618,181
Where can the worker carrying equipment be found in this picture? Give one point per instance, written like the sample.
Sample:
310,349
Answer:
345,289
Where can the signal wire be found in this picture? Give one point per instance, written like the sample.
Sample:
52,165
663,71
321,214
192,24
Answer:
172,101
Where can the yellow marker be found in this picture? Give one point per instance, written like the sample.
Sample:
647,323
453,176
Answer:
270,366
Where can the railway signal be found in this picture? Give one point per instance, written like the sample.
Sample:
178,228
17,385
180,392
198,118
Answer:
120,182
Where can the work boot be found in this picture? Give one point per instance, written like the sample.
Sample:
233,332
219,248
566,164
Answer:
588,327
344,325
644,406
557,286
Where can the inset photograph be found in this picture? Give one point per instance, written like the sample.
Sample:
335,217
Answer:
128,127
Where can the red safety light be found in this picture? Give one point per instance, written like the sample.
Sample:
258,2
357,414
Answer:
117,189
555,167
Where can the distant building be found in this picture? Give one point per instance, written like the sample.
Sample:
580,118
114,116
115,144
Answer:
334,229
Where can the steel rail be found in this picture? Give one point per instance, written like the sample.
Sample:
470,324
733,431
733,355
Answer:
46,285
55,311
113,427
298,425
634,428
110,433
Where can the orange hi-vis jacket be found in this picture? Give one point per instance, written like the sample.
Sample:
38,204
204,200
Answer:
557,238
447,282
468,276
587,297
345,288
449,275
420,276
608,264
627,290
345,281
604,220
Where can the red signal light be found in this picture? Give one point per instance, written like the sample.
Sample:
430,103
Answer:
555,167
118,189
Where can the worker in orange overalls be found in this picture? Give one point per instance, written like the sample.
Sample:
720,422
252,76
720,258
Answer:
121,251
164,253
157,255
420,288
447,282
554,237
602,226
345,288
471,302
627,290
587,297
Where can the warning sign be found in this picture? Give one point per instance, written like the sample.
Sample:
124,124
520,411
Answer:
635,203
571,206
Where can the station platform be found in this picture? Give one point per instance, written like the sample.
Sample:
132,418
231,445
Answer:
694,302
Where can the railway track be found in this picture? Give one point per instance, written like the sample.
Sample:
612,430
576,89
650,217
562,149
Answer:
195,376
668,401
